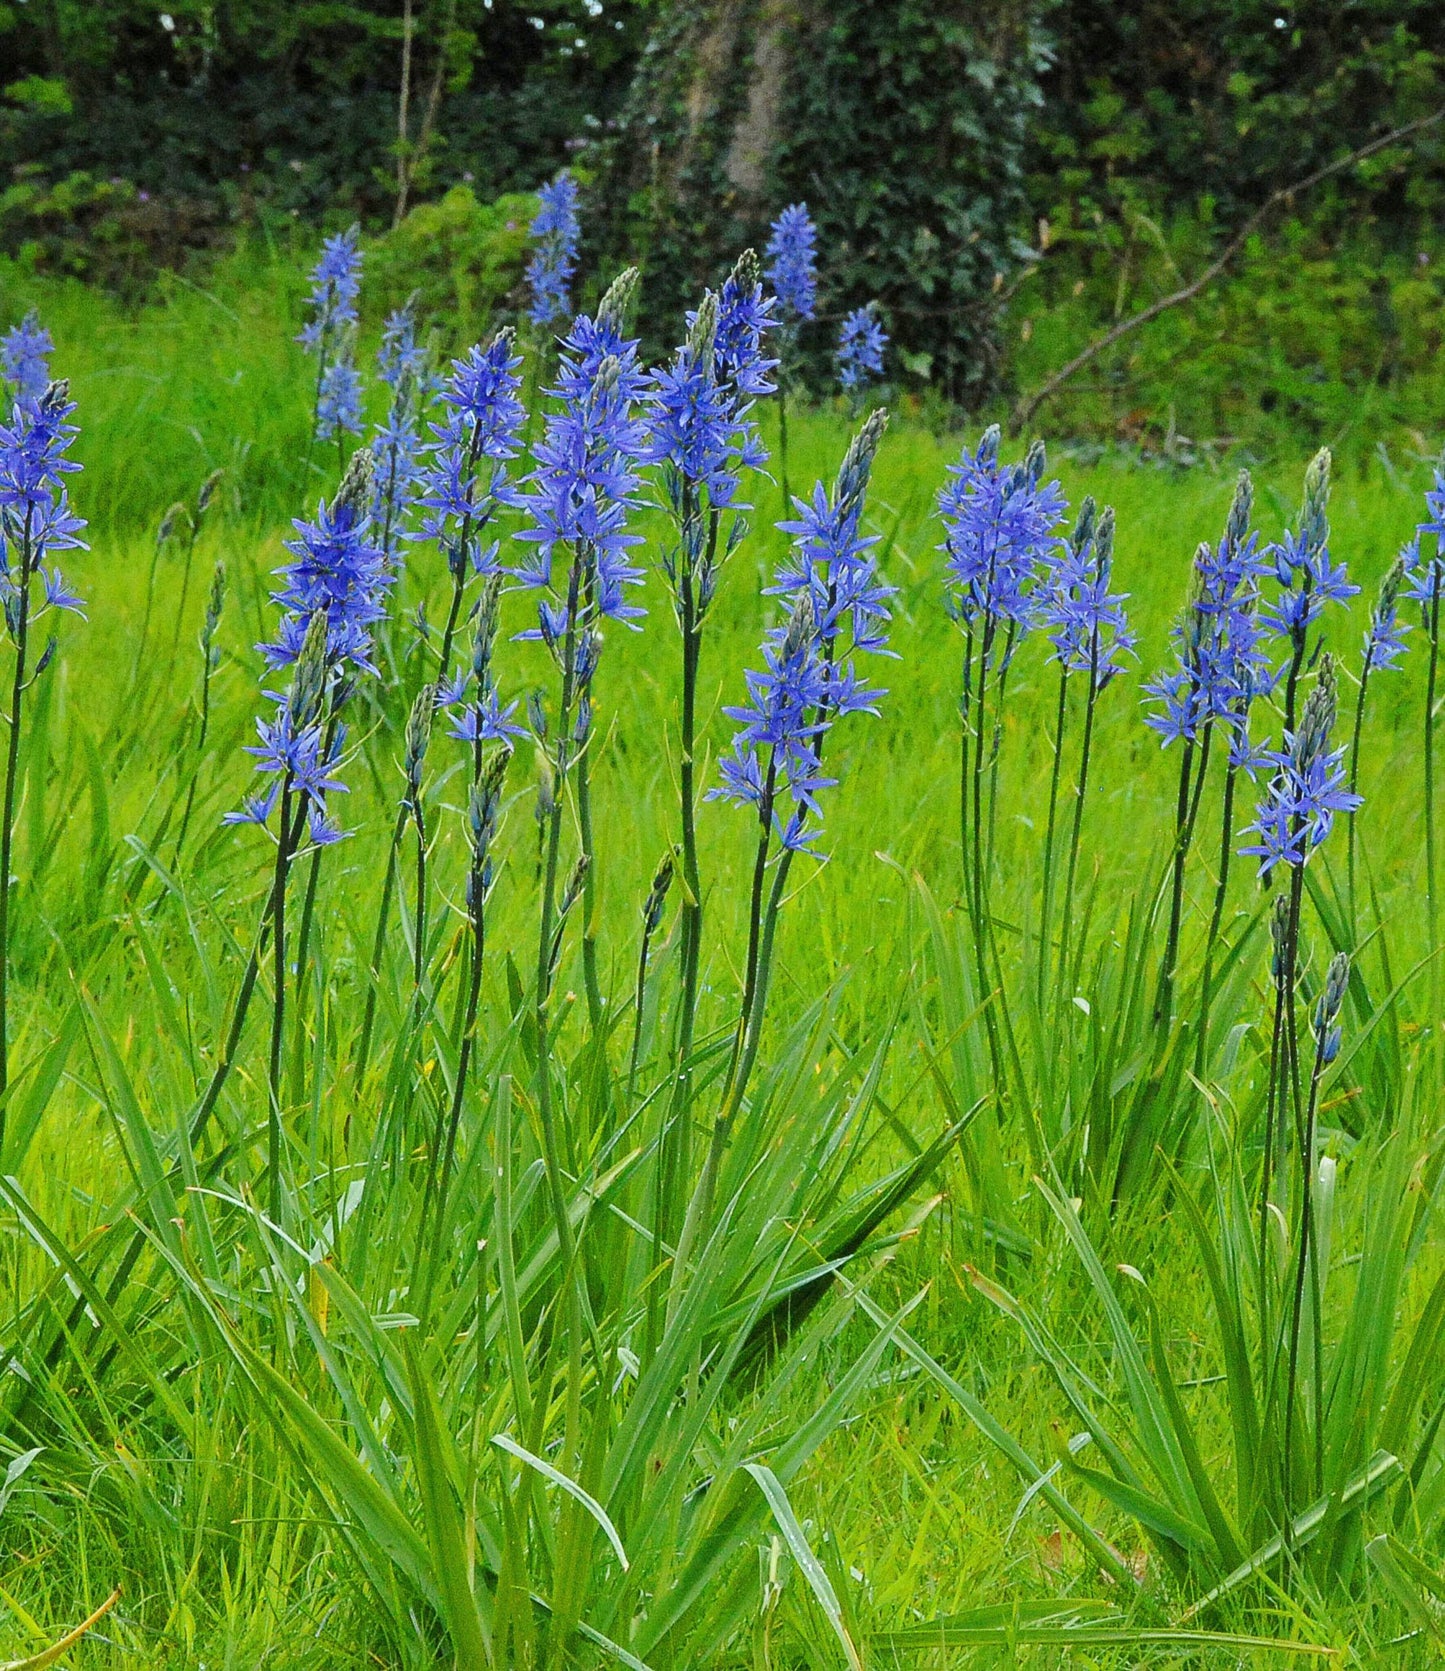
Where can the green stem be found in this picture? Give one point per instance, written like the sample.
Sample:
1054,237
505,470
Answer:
378,943
185,584
278,1002
200,753
1081,791
783,446
1046,908
1164,993
1216,918
1354,781
7,830
469,1030
419,921
1432,921
591,986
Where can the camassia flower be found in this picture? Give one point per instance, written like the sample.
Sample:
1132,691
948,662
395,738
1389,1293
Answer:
338,405
584,485
1221,667
466,480
1300,562
333,594
554,260
25,352
792,263
1084,620
745,316
338,575
858,357
697,419
335,286
1385,638
399,354
808,681
35,515
1425,583
1308,787
833,561
299,746
470,696
1001,527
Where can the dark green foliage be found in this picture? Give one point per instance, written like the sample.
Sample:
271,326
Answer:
1224,100
903,128
246,110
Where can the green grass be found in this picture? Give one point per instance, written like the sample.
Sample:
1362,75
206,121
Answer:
172,1461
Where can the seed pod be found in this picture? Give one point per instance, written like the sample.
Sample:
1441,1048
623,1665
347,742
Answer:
168,523
1278,933
214,605
576,881
657,896
208,492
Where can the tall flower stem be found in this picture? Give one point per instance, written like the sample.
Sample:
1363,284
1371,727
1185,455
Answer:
590,984
762,924
755,919
1432,920
1216,918
7,829
191,539
200,755
1164,992
1046,906
321,363
547,930
419,920
459,1090
974,837
308,917
651,918
783,442
1307,1271
1081,792
278,1001
996,741
675,1157
1289,1100
378,943
1355,781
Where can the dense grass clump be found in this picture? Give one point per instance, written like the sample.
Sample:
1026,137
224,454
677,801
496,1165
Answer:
523,1209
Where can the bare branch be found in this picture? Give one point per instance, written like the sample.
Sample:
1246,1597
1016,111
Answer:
1028,405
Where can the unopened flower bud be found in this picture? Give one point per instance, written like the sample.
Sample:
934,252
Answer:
308,682
616,305
354,494
418,734
1236,526
1084,527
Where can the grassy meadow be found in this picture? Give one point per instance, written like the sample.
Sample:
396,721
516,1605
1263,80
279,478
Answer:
253,1430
